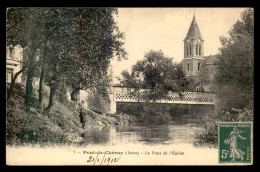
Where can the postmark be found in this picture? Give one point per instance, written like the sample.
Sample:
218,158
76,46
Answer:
235,142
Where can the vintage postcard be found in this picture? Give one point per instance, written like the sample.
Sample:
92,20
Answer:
129,86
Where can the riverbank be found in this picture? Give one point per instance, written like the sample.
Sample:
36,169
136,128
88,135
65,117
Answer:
60,125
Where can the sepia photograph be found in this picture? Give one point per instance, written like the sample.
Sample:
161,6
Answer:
108,86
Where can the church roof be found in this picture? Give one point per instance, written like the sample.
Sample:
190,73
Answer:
210,59
194,31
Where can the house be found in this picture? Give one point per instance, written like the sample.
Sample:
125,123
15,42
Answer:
199,69
14,62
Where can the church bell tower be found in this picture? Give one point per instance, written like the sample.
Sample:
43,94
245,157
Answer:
193,51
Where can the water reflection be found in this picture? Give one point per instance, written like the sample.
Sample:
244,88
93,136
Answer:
97,136
154,134
176,133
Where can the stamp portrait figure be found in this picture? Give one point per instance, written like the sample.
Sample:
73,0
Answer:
233,140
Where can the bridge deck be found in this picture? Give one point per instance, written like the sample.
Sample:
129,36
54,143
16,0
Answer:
121,94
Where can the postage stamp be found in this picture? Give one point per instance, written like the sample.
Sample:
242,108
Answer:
235,144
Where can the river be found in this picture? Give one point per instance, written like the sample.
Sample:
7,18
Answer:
178,132
139,144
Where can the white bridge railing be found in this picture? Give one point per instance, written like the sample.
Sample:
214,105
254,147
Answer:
122,94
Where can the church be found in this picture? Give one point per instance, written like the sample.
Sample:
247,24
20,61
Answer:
199,69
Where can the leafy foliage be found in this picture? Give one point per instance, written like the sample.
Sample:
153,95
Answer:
74,45
98,41
158,73
15,116
234,82
65,47
98,102
210,124
235,67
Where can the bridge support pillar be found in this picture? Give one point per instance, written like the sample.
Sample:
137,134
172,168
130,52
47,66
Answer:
112,104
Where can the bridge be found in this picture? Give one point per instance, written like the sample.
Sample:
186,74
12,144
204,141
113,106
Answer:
129,95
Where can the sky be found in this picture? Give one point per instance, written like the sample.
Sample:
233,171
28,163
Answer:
165,29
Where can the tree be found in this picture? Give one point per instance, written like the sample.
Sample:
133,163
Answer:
16,36
85,43
129,80
24,27
98,98
75,46
58,54
99,42
235,67
157,73
56,23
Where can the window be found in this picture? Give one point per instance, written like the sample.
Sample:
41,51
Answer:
188,66
9,75
187,50
12,52
197,49
190,49
198,66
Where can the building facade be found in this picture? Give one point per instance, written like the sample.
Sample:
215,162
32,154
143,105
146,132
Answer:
14,62
199,68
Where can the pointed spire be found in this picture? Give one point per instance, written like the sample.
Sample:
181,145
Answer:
194,31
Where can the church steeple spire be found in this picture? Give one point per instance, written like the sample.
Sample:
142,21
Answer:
193,42
194,31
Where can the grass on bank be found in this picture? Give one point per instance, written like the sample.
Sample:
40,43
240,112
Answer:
51,127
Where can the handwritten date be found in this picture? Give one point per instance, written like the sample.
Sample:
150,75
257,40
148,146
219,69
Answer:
105,160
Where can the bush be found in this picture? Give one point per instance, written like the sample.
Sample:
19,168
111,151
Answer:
98,102
44,136
61,96
210,124
36,131
15,126
209,135
15,116
32,127
134,109
149,113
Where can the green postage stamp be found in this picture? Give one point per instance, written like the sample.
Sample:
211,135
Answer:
235,142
